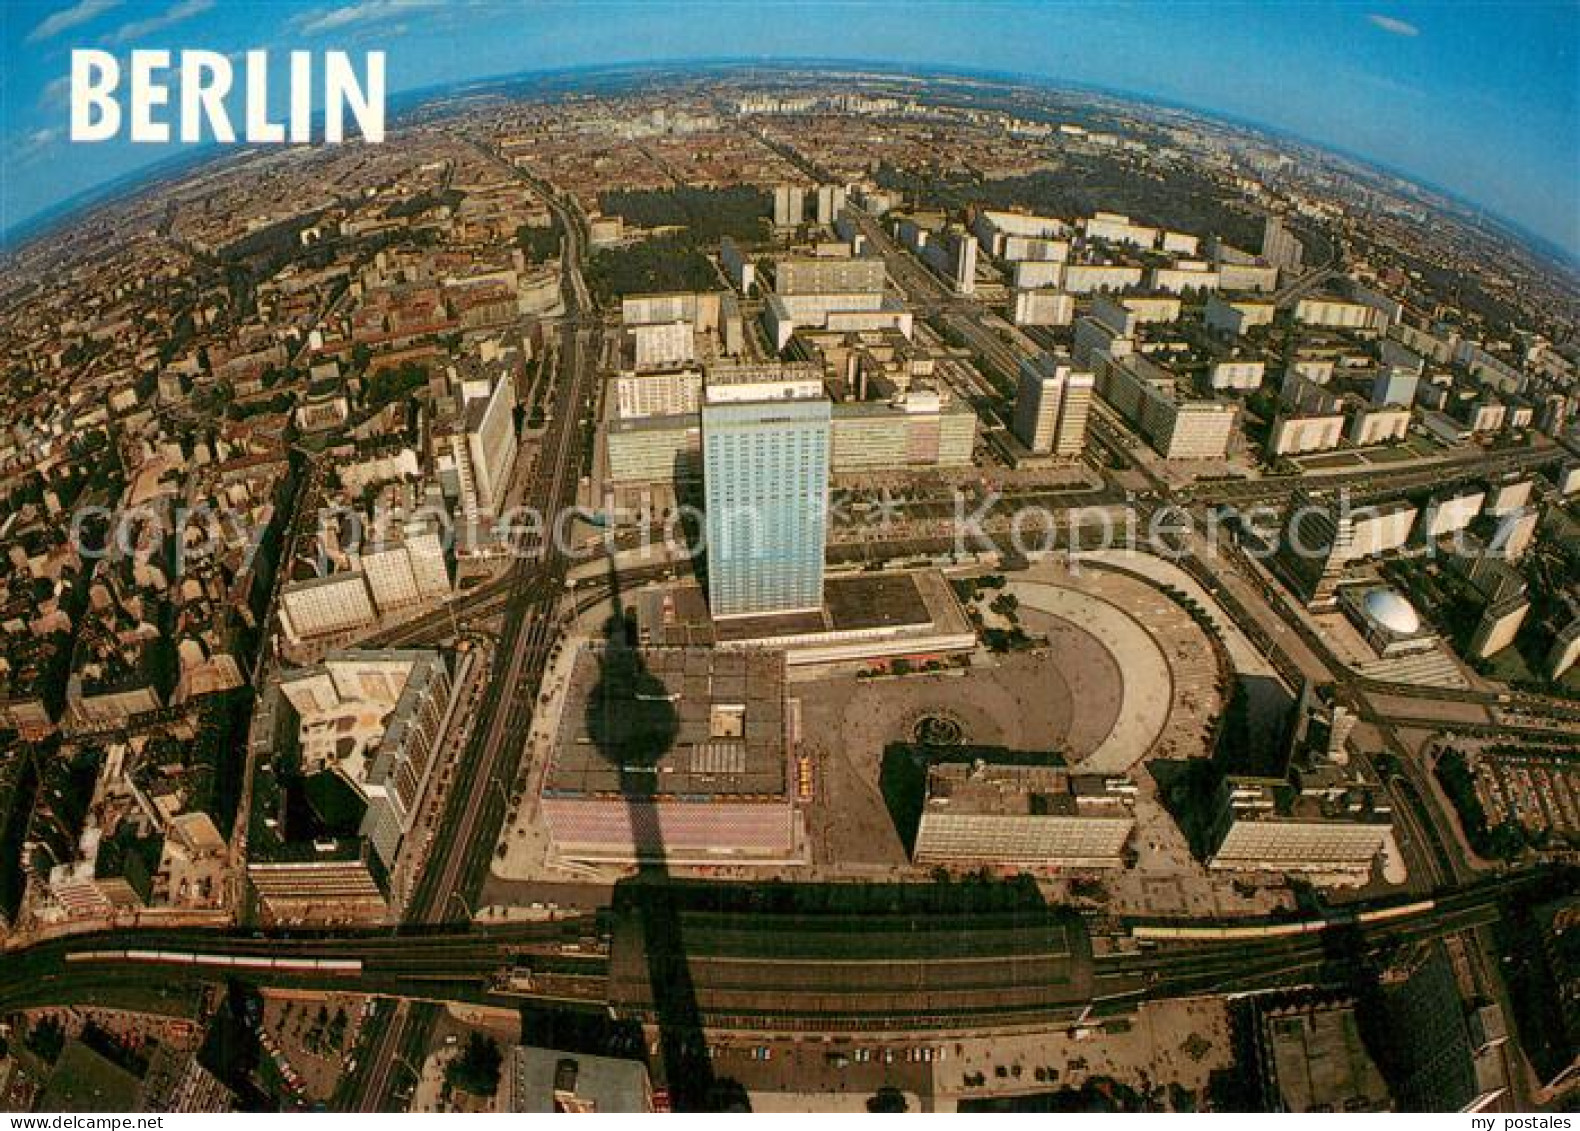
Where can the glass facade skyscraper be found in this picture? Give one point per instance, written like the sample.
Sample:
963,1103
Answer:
765,446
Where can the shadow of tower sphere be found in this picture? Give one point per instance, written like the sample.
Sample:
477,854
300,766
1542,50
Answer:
630,716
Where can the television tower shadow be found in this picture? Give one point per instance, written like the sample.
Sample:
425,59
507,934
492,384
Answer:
633,721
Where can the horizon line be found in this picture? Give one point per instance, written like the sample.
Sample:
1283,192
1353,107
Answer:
39,224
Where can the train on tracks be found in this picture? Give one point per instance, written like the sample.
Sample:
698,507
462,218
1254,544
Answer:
350,967
1161,933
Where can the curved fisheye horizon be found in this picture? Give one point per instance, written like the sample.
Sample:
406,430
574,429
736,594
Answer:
413,100
1454,97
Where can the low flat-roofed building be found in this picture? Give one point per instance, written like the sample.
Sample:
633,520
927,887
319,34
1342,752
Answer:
321,606
337,886
546,1080
783,315
1323,535
674,754
912,615
85,1080
1312,1058
980,813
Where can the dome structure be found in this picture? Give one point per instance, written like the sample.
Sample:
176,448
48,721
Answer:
1393,612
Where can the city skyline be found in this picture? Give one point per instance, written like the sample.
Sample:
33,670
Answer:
1373,84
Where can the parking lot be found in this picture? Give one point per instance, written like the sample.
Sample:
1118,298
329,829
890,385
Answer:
1181,1042
315,1034
1167,1051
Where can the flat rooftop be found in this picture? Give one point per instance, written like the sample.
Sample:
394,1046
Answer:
1321,1063
677,422
1344,799
758,372
858,603
1000,791
84,1080
687,722
876,601
605,1084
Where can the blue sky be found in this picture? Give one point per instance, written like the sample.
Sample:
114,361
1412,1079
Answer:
1479,98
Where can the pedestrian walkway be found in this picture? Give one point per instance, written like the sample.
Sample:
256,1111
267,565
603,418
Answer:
1147,687
1242,654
